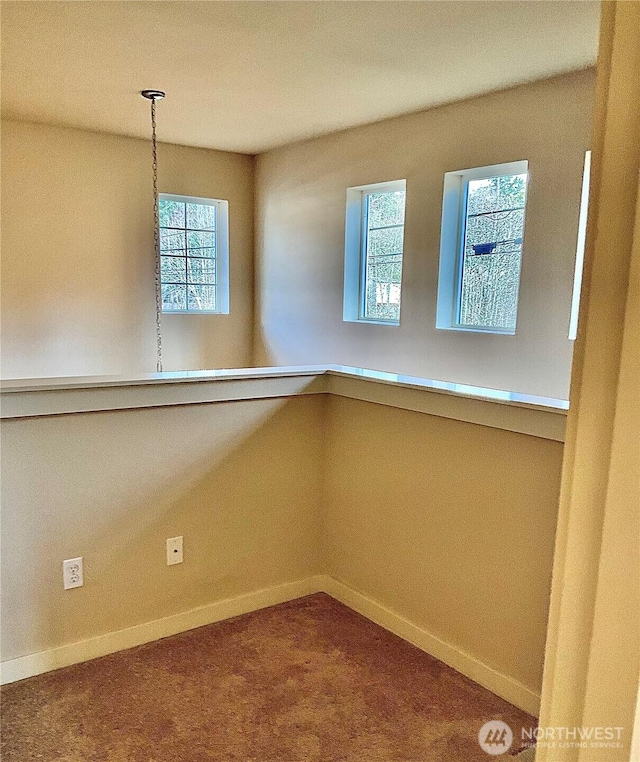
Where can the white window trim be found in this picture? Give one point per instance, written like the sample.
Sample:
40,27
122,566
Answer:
355,255
222,252
451,243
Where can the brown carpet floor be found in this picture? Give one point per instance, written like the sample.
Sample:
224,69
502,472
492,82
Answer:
306,680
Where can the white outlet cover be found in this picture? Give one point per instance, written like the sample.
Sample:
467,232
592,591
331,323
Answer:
174,551
72,573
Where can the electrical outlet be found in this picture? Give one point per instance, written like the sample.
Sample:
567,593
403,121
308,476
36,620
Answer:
174,551
72,573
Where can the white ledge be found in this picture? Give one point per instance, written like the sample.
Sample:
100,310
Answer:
147,379
448,387
527,414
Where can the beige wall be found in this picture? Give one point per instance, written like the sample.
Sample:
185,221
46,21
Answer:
449,524
240,481
300,236
78,261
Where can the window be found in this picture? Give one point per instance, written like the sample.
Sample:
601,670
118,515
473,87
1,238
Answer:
374,242
483,215
194,254
582,236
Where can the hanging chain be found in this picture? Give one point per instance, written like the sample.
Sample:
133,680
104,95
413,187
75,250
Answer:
156,238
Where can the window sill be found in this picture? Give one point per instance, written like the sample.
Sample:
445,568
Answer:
193,312
469,329
392,323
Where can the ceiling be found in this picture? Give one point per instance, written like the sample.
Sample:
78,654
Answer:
249,76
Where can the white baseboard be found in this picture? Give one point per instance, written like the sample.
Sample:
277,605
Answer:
63,656
502,685
45,661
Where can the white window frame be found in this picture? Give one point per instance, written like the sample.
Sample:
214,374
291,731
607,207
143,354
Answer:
355,255
222,252
454,211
